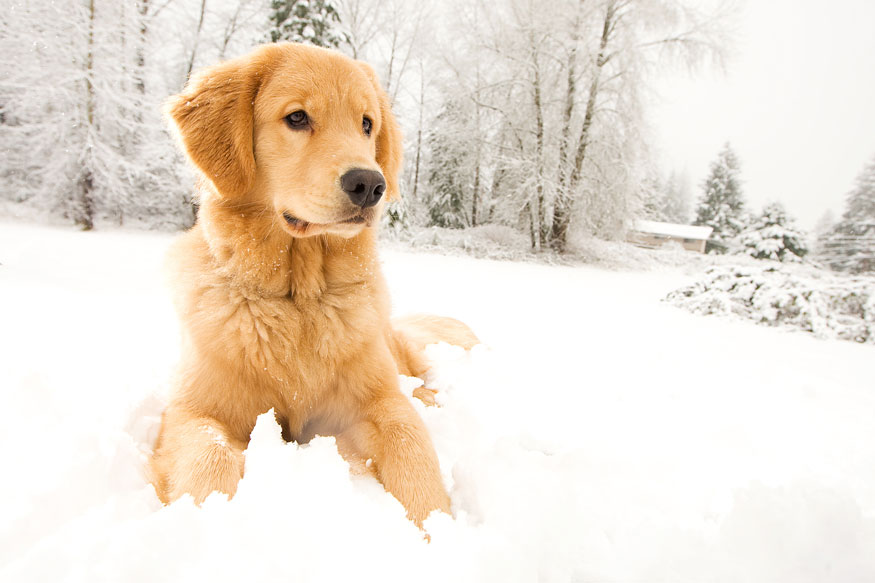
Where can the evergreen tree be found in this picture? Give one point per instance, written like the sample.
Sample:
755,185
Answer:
773,235
305,21
654,193
676,204
449,169
850,245
825,223
667,199
722,206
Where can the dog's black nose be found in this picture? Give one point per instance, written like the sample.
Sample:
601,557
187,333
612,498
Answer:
363,187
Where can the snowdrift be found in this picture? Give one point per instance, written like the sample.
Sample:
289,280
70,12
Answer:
599,435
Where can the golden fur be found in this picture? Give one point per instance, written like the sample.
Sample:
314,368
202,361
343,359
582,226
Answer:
292,315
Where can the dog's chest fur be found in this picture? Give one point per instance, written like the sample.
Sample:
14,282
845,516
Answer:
281,324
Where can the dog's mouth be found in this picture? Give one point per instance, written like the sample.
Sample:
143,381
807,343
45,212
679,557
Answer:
301,227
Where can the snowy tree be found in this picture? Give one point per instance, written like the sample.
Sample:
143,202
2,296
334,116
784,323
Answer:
825,223
559,91
306,21
552,138
667,199
653,196
722,205
449,184
677,200
83,134
81,128
773,235
850,245
624,38
360,24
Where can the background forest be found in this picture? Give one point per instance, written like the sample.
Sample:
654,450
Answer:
523,120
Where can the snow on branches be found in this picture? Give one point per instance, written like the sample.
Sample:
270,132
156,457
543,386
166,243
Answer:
829,306
850,245
772,235
722,204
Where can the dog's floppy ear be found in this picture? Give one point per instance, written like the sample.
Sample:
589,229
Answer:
214,117
390,148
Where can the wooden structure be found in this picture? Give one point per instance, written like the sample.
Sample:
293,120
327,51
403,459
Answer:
653,234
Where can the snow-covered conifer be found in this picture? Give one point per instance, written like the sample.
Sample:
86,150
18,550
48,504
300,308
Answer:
307,21
773,235
722,204
449,169
677,199
850,245
667,199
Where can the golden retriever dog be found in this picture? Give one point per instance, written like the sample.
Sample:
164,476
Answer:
278,285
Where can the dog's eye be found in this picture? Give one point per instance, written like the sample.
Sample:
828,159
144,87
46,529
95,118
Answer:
298,120
367,124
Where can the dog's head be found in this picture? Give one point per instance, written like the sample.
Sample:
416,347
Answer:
305,132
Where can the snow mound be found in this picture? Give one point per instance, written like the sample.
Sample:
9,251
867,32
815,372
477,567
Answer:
827,305
603,436
298,506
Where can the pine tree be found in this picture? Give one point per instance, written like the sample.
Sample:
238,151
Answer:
773,235
654,195
449,169
850,245
722,205
666,199
676,203
305,21
825,223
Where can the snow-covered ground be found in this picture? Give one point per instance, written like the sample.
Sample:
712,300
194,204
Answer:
598,435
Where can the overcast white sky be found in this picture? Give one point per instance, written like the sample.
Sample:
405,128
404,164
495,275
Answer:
797,103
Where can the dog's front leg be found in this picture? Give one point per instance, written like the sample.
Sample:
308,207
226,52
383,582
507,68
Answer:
195,455
394,438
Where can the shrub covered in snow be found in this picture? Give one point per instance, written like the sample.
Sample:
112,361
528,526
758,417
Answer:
827,305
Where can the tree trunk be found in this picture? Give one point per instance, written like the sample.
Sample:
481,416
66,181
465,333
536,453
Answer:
475,194
538,206
83,214
536,227
563,210
418,157
534,234
497,178
140,75
231,28
197,38
387,83
570,98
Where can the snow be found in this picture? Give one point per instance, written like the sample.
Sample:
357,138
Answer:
827,304
598,435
